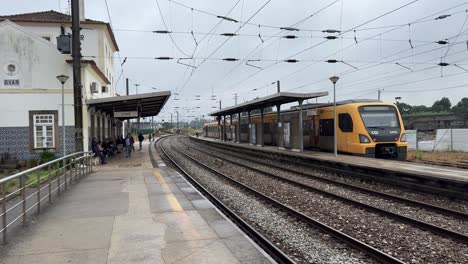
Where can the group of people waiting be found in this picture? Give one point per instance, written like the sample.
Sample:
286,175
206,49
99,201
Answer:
104,149
108,148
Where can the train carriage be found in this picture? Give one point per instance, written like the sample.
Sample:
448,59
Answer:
364,127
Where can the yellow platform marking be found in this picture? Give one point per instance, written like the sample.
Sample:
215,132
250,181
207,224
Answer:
173,202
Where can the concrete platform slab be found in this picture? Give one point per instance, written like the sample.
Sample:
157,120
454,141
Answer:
129,212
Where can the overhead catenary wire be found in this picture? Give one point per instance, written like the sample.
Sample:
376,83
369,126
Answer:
165,26
224,42
313,46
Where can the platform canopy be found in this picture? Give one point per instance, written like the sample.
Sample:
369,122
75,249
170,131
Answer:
126,107
267,101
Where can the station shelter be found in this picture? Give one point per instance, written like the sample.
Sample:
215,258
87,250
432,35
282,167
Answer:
254,122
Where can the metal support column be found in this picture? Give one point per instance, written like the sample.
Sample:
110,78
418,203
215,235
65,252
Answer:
238,127
278,124
301,134
230,126
139,117
249,130
219,127
224,128
261,127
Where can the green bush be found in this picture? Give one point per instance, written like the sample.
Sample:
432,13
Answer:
46,156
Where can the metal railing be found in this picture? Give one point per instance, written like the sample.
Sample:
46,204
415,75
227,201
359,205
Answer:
21,193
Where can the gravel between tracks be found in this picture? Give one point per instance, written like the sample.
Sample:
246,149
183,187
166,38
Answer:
454,204
303,243
401,240
451,223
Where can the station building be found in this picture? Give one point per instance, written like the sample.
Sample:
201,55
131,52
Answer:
31,95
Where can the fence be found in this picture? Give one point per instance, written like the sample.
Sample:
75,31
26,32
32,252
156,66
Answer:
445,140
50,179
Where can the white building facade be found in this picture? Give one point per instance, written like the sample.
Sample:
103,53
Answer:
30,94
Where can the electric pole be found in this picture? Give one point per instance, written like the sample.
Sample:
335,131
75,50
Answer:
235,99
378,93
278,86
77,93
126,82
136,87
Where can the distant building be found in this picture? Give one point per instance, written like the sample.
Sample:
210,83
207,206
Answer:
31,96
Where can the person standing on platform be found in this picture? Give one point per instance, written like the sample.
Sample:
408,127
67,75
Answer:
149,137
140,139
128,145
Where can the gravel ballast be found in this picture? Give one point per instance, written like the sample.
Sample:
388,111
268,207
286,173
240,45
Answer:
300,241
401,240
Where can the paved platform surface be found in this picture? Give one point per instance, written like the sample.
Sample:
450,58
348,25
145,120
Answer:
433,171
129,212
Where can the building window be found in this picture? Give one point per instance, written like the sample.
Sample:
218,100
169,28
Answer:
44,131
104,89
345,122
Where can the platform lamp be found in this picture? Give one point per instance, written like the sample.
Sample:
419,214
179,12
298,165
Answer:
396,99
63,79
334,79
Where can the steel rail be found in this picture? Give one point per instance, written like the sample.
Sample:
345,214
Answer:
435,208
414,222
263,242
351,241
391,181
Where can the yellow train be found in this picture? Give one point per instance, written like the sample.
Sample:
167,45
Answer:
364,127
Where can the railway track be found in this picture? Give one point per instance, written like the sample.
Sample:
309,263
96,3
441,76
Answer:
376,254
421,204
266,245
391,178
463,238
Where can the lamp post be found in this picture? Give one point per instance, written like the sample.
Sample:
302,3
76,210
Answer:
63,79
334,79
396,99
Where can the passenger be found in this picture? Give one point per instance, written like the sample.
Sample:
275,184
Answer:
133,142
100,152
149,137
140,139
153,136
128,145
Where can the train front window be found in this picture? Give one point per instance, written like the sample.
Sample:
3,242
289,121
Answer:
379,116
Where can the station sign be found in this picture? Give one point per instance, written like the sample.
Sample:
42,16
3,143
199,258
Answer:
125,114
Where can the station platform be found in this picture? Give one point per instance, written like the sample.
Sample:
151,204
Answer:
455,175
128,211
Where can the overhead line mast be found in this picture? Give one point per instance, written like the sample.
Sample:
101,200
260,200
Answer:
77,87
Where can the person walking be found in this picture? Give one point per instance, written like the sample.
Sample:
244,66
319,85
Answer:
149,137
128,145
140,139
132,140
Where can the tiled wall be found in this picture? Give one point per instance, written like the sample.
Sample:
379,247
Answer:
15,141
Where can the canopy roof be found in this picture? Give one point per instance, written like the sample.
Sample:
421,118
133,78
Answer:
267,101
148,104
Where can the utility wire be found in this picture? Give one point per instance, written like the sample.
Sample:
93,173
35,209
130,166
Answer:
388,31
313,46
167,29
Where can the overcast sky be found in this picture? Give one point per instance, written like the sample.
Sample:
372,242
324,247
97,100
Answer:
369,64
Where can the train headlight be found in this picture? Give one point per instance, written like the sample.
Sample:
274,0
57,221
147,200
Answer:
363,139
403,138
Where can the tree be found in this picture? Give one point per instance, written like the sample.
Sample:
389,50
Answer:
404,108
462,106
442,105
420,109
